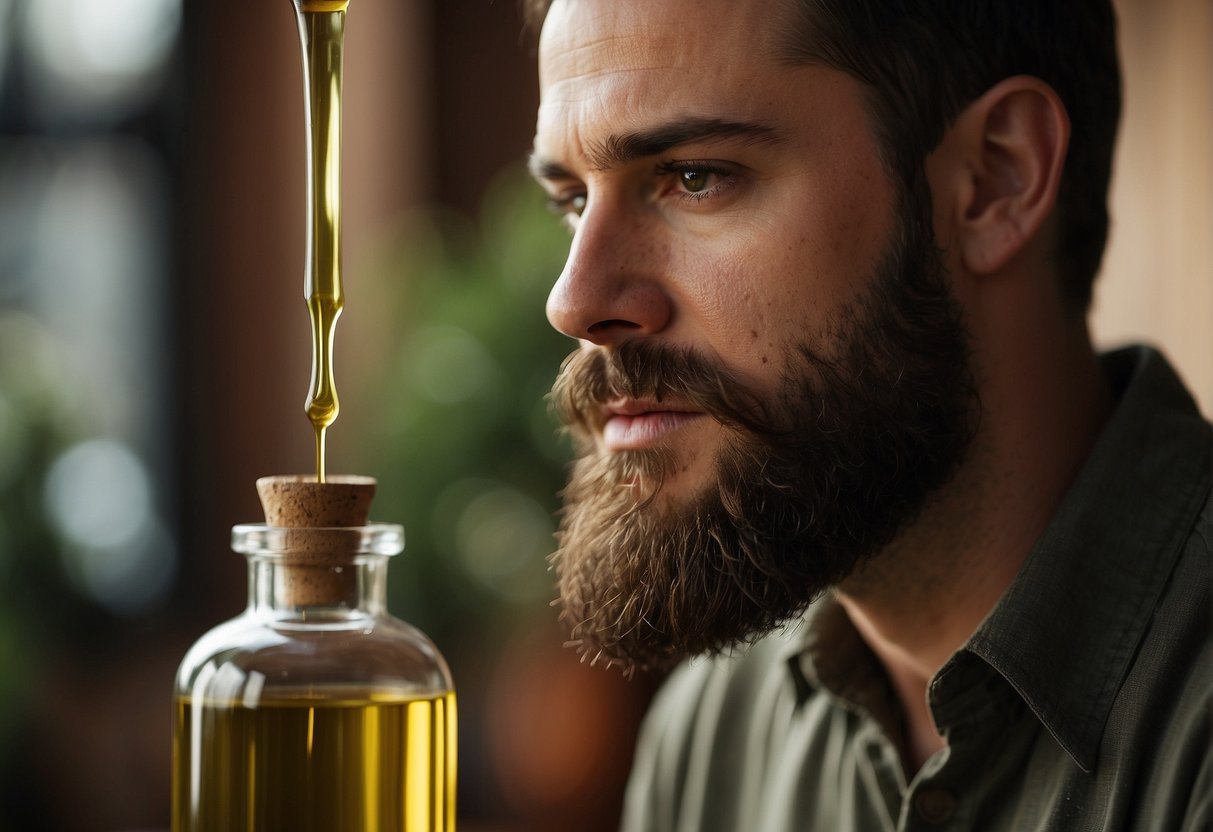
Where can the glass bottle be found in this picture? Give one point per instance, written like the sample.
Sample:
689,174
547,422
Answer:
314,709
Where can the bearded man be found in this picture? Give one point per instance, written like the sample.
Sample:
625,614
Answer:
847,453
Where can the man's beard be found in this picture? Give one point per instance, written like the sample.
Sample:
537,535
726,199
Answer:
808,483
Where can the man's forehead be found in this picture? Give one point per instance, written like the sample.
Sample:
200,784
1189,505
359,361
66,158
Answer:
583,38
622,82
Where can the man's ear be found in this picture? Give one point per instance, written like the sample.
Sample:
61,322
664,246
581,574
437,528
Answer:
1011,147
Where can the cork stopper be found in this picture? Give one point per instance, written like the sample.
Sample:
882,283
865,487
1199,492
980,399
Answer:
322,518
297,501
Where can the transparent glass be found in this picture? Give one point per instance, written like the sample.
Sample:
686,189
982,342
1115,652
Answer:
314,709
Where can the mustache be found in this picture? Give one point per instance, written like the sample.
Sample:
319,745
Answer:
589,379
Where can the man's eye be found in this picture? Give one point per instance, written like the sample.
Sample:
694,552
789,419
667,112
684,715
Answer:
569,208
564,205
694,181
697,180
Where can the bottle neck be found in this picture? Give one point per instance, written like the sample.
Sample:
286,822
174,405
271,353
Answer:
318,571
286,585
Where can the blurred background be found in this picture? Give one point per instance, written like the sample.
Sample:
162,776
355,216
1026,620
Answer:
154,358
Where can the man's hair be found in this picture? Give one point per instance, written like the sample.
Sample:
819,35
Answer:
924,61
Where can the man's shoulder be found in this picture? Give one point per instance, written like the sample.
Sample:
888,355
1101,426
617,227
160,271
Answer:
705,735
706,686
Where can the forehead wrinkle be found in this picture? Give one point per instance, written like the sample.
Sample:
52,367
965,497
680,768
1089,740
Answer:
604,55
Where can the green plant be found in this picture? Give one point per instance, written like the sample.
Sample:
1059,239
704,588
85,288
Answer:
462,442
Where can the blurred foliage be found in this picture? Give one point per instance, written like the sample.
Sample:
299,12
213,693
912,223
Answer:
462,441
39,416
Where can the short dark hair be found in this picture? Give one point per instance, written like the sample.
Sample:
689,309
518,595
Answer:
924,61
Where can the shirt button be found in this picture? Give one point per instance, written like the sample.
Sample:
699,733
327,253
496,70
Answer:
935,805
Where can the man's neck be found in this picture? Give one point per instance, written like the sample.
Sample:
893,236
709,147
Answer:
920,600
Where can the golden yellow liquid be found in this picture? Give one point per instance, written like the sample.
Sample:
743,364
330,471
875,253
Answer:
375,763
323,5
322,36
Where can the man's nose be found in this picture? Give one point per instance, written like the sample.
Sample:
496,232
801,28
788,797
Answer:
611,287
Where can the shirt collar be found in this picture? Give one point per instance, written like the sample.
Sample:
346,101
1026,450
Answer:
1064,633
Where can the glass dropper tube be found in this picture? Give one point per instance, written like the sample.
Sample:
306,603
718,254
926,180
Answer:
322,38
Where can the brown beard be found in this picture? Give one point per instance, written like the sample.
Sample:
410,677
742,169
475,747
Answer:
808,483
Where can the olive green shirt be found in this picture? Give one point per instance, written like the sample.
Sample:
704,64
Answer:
1082,702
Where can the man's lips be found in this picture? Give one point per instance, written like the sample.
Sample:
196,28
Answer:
631,424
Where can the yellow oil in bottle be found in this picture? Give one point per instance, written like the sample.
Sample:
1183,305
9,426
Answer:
322,36
334,761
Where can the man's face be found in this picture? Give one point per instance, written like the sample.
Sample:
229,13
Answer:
771,375
750,231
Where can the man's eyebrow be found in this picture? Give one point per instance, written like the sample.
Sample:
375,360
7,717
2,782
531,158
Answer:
544,169
623,148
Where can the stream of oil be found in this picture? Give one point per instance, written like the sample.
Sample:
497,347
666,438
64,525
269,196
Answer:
322,35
